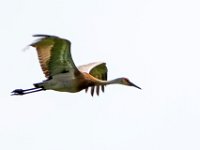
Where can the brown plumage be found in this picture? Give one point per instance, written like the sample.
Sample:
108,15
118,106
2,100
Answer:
62,74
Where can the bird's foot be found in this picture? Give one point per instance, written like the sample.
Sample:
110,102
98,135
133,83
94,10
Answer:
18,92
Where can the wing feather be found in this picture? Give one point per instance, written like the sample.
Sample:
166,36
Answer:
54,55
44,54
97,70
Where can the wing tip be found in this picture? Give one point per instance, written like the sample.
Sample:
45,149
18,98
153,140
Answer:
44,35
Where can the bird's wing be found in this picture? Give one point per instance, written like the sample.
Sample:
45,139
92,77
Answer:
54,55
97,70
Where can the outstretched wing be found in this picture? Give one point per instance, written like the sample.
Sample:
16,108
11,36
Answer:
54,55
97,70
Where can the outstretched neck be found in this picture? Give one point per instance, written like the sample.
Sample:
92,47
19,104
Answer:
103,82
114,81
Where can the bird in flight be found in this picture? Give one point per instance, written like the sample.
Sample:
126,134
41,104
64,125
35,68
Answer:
62,74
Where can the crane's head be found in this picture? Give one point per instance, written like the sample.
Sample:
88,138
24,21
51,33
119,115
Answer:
127,82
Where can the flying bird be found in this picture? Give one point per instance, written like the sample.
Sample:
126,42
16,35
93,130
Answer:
62,74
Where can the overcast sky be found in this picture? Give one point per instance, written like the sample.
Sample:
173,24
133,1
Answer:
156,44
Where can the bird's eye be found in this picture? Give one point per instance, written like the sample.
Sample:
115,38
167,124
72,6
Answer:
125,80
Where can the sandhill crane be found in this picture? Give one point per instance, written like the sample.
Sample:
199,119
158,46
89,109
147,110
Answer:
61,72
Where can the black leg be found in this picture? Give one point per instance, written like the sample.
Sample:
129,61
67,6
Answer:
27,91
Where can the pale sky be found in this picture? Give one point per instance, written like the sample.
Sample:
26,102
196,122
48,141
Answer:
153,43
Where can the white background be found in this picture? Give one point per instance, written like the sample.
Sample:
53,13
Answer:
154,43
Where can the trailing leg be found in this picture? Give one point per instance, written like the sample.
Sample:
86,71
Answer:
26,91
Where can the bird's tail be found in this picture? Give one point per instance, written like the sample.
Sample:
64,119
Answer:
38,85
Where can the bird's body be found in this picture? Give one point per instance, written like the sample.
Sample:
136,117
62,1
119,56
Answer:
62,74
66,83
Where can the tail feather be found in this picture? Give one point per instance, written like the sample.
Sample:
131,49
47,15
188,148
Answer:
39,85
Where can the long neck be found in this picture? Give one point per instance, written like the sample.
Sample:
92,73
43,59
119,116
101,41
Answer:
114,81
103,82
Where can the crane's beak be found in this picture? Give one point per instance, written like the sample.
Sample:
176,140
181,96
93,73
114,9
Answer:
132,84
